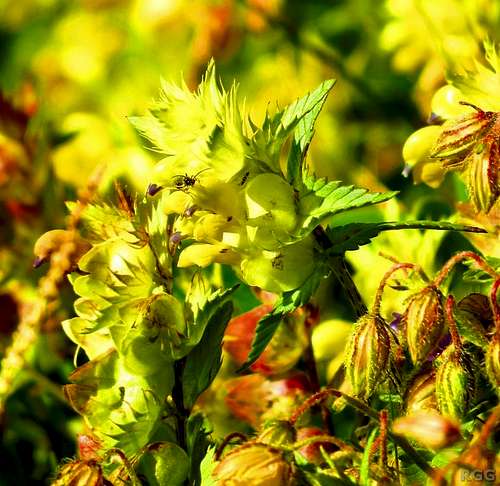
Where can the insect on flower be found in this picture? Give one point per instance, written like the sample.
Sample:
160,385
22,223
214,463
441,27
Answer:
185,182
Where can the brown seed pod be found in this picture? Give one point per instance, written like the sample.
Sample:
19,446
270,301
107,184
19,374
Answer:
367,355
424,323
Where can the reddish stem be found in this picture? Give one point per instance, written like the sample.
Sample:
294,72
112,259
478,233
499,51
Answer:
463,255
383,282
226,441
495,308
384,422
455,336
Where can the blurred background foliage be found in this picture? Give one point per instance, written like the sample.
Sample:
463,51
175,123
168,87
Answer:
71,72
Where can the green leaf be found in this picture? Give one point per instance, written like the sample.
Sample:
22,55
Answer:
304,130
197,446
351,236
322,199
364,471
268,141
207,467
267,326
204,361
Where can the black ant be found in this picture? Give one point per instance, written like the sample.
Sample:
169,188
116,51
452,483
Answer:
184,182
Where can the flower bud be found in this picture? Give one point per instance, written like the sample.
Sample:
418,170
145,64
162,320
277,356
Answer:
254,464
80,473
278,433
165,463
459,136
492,361
428,428
312,452
454,383
421,394
424,322
367,355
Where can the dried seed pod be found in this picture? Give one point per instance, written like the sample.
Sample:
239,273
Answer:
80,473
367,355
492,361
424,323
254,464
455,383
429,429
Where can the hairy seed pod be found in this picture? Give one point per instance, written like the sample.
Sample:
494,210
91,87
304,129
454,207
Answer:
424,323
454,383
421,393
492,361
254,464
278,433
429,429
367,355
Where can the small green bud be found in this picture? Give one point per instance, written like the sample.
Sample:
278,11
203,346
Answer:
492,361
254,464
454,383
424,323
165,463
367,355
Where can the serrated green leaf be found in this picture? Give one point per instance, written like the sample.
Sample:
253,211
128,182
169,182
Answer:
267,326
321,200
304,131
204,360
351,236
268,141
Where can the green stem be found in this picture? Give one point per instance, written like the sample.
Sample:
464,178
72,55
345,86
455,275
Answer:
338,267
182,413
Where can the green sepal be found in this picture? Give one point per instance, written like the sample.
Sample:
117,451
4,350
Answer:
287,303
164,463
